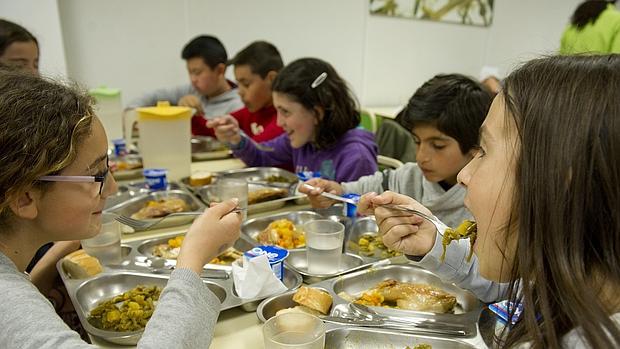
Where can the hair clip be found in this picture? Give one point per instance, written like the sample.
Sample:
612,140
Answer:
319,80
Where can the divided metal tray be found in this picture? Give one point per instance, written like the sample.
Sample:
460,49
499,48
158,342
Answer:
87,293
463,320
134,204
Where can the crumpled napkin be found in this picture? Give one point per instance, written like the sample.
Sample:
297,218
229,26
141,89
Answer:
255,279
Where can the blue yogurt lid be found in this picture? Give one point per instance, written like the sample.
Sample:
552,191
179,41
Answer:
274,254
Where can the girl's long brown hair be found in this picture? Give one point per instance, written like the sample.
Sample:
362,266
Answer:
567,205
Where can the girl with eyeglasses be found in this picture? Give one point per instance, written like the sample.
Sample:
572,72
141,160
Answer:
53,187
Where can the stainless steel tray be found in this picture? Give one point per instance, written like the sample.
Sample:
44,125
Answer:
465,317
87,293
363,226
297,260
208,194
208,148
252,227
133,204
359,338
145,248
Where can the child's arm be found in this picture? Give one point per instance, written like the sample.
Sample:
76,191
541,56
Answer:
282,153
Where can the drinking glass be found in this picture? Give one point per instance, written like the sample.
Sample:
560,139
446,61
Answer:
228,188
324,240
105,246
294,330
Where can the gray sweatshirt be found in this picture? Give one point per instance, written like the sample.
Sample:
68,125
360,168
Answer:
455,269
409,180
223,104
185,316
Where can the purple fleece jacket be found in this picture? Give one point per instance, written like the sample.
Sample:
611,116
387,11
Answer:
353,156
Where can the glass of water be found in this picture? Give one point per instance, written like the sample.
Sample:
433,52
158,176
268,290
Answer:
228,188
324,240
294,330
105,246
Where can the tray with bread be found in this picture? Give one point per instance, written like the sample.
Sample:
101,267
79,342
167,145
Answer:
208,148
90,285
390,291
156,204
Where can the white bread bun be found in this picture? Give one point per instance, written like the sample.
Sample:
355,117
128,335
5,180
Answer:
299,309
198,179
80,265
313,298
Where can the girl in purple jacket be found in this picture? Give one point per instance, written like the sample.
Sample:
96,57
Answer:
319,115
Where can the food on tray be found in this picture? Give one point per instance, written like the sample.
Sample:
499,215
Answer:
198,179
129,311
420,346
80,265
311,300
409,296
277,179
125,164
371,244
171,250
266,194
465,230
283,233
160,208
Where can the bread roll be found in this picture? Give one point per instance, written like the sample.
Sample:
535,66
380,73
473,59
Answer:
299,309
201,178
313,298
80,265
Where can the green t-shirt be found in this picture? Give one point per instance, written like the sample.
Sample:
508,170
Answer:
602,36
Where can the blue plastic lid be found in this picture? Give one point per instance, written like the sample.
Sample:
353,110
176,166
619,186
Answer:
154,172
306,175
274,254
119,141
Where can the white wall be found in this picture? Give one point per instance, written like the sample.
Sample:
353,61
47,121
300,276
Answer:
41,18
135,45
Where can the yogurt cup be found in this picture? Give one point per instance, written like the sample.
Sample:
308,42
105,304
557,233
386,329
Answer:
155,178
120,147
351,210
275,255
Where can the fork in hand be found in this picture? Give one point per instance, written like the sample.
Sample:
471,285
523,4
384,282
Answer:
139,225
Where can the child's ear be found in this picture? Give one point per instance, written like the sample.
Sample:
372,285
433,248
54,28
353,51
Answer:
220,69
320,114
271,76
24,205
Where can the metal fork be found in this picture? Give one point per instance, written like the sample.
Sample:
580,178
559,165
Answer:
261,147
439,225
139,225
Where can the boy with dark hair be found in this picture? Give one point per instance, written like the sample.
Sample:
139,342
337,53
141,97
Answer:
445,116
255,67
209,92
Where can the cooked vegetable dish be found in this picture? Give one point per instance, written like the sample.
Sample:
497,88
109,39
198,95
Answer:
171,250
283,233
371,245
129,311
465,230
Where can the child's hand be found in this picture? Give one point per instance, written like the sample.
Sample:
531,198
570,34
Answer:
321,185
401,231
210,234
191,101
226,129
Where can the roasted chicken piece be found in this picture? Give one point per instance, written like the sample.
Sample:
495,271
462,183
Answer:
160,208
266,194
409,296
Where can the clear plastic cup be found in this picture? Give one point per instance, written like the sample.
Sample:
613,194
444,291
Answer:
229,188
105,246
294,330
324,240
